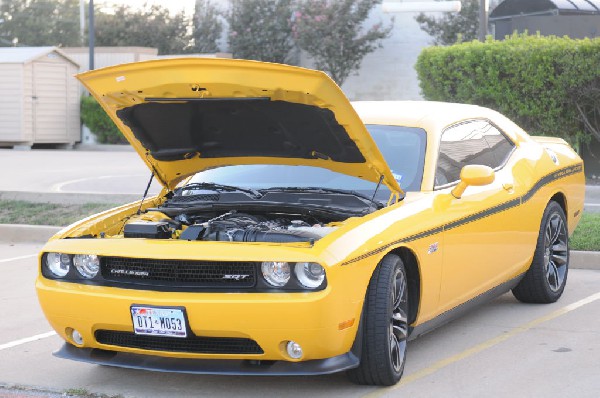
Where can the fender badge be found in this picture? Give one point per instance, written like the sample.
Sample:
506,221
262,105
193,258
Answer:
432,248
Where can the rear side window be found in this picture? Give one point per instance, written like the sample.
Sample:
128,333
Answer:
470,142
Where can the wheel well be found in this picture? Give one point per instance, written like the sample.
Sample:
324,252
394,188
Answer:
559,198
414,280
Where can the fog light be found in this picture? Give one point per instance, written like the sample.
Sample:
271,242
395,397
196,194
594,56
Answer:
77,337
294,350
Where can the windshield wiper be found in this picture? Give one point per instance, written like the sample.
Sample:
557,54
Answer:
323,190
220,187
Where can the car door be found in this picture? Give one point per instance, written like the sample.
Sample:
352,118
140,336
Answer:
481,229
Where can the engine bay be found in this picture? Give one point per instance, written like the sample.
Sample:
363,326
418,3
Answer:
231,226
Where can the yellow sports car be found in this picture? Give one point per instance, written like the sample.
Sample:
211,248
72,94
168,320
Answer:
297,233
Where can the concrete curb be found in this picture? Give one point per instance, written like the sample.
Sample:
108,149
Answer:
15,233
69,198
584,260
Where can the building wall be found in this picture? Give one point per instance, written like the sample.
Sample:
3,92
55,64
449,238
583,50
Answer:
389,72
109,56
27,132
11,102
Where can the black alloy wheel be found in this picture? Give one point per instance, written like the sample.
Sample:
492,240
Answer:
385,326
546,278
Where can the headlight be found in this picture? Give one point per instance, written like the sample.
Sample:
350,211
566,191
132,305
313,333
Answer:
276,273
310,275
58,263
88,265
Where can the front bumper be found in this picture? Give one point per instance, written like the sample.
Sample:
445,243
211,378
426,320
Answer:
212,366
270,319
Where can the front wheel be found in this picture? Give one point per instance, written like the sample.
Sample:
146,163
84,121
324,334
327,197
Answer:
546,278
385,323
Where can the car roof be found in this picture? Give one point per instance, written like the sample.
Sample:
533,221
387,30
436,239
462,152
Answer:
421,114
433,117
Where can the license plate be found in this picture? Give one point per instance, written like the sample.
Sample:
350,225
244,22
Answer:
158,321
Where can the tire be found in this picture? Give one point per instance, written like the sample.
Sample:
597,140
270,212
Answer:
385,328
546,278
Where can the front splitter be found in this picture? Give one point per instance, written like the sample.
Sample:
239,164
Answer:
208,366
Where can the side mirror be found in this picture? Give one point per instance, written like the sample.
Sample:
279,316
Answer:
474,174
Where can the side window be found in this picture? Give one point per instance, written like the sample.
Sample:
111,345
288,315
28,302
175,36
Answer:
470,142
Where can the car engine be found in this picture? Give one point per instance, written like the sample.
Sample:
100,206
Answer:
230,227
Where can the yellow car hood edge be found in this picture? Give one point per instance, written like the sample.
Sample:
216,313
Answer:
124,86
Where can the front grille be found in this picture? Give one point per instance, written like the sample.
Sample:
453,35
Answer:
193,344
179,273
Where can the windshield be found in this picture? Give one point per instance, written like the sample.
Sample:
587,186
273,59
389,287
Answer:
402,147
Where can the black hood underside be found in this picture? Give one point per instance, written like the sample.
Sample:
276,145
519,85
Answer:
174,129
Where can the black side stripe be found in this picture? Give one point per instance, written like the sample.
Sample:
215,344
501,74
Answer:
564,172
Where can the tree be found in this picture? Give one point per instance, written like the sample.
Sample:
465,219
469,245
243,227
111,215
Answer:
152,26
39,22
261,30
207,27
451,28
332,33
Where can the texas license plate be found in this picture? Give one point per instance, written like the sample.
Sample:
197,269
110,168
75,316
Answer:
158,321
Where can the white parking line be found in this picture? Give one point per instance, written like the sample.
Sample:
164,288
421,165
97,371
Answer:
7,260
592,204
27,340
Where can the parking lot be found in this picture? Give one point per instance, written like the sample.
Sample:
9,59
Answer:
503,349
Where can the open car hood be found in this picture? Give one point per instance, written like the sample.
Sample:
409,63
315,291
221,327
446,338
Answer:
191,114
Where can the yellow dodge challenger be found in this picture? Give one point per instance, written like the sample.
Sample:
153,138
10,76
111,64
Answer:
297,233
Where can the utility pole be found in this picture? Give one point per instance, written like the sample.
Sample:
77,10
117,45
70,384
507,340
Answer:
91,33
484,6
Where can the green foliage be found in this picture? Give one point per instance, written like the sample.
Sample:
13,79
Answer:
332,33
39,23
539,82
93,116
261,30
587,233
451,28
152,26
207,28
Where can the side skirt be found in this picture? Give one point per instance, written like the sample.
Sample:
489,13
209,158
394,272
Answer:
463,308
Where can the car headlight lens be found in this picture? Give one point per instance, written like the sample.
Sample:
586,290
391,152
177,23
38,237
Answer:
88,265
58,263
276,273
310,275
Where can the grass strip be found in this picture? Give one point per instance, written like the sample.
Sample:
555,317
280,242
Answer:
587,233
22,212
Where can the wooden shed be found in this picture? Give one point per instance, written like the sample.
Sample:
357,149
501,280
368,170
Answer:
39,97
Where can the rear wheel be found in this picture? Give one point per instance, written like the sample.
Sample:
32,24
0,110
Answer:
546,278
385,326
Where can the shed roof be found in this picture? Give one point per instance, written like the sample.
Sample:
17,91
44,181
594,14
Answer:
510,8
23,55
